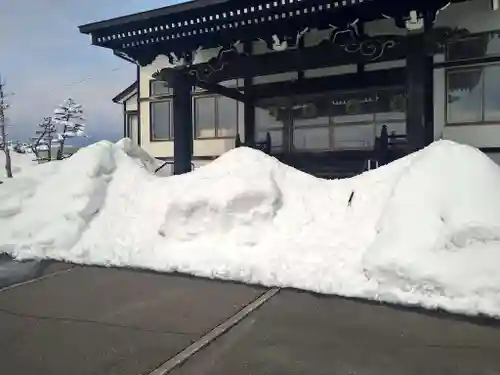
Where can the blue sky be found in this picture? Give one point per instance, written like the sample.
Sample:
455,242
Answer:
44,60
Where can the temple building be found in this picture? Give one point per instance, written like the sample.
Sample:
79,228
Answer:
331,87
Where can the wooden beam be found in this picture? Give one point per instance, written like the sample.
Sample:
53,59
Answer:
215,88
171,75
354,81
320,56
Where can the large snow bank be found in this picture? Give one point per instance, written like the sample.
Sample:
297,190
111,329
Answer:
424,230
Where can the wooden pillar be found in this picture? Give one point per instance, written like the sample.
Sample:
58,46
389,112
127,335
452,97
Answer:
248,104
183,124
249,120
288,129
420,98
429,101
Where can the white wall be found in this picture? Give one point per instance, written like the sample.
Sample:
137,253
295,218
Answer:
133,127
474,135
131,103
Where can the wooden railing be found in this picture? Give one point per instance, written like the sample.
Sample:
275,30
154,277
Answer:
386,144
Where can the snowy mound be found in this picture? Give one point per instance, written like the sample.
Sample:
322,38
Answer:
424,230
48,210
440,233
237,195
138,154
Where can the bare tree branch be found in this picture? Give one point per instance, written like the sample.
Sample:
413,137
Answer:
45,137
3,132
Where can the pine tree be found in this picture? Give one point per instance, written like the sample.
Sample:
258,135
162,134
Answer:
69,116
3,131
44,137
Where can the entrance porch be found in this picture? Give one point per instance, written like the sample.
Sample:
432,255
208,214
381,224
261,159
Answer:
385,52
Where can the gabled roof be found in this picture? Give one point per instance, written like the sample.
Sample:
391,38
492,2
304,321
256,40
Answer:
210,23
127,93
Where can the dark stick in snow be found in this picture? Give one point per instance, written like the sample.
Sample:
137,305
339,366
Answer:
349,203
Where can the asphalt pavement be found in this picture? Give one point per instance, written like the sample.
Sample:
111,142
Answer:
108,321
298,333
99,321
14,272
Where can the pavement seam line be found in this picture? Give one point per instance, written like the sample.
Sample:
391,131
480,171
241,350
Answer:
31,281
222,328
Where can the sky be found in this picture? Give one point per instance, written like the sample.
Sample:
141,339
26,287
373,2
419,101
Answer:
44,60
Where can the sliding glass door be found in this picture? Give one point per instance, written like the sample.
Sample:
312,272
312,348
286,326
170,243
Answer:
347,121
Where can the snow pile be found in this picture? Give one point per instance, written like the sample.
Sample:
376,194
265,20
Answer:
423,230
20,163
440,232
44,214
138,154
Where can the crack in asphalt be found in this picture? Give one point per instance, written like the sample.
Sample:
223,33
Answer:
89,321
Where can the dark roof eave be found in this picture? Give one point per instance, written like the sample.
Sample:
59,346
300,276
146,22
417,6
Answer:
165,11
142,16
129,90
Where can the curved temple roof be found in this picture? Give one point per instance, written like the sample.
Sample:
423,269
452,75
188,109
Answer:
212,23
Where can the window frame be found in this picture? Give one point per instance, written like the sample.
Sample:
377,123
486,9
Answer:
195,94
260,133
214,97
128,116
465,68
159,98
152,138
153,96
481,37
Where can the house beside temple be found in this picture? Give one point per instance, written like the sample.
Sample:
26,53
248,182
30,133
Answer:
313,82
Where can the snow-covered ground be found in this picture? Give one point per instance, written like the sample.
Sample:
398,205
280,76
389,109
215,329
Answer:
19,163
424,230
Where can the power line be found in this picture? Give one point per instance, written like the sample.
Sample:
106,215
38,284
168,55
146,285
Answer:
85,79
